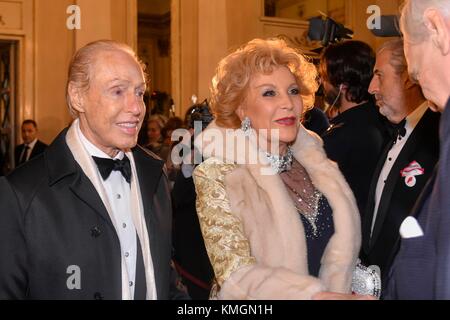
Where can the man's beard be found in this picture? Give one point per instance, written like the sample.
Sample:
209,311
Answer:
331,97
384,111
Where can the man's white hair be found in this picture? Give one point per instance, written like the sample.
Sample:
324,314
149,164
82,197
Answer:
411,20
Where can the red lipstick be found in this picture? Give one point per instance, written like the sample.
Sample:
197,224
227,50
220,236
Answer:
288,121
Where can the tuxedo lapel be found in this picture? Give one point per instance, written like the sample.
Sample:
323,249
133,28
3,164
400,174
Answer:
85,191
417,139
149,172
62,165
368,216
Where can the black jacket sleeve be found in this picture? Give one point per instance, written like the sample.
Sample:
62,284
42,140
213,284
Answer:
13,248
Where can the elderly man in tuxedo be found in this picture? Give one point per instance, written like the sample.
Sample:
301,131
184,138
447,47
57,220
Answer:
91,218
406,163
421,269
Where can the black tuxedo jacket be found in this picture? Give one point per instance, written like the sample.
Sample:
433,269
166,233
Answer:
397,198
51,218
39,148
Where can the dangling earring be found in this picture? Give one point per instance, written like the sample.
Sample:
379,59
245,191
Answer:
246,125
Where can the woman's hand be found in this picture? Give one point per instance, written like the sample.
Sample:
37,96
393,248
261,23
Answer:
341,296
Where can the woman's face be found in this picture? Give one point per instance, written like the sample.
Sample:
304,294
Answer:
274,103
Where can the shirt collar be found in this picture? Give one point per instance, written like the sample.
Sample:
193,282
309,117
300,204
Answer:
414,117
31,145
92,149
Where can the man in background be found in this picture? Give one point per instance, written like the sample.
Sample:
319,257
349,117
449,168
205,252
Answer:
31,146
406,163
356,136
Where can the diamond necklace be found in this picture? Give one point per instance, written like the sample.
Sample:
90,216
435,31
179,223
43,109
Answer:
281,163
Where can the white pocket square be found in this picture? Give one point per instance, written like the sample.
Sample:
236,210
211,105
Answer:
410,228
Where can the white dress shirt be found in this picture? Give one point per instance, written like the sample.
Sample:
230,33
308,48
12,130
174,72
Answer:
118,193
411,121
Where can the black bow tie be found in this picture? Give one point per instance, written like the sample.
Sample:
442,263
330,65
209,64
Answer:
397,130
401,130
106,166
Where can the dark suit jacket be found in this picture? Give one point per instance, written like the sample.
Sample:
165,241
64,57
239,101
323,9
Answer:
355,140
39,148
421,268
51,217
397,198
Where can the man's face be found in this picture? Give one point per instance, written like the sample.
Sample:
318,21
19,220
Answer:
112,109
424,64
414,53
410,54
29,133
389,88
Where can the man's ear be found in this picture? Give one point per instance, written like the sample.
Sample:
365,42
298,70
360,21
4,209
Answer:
439,30
407,82
76,98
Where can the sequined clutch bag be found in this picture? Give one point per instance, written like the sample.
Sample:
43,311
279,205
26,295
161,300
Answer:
366,280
